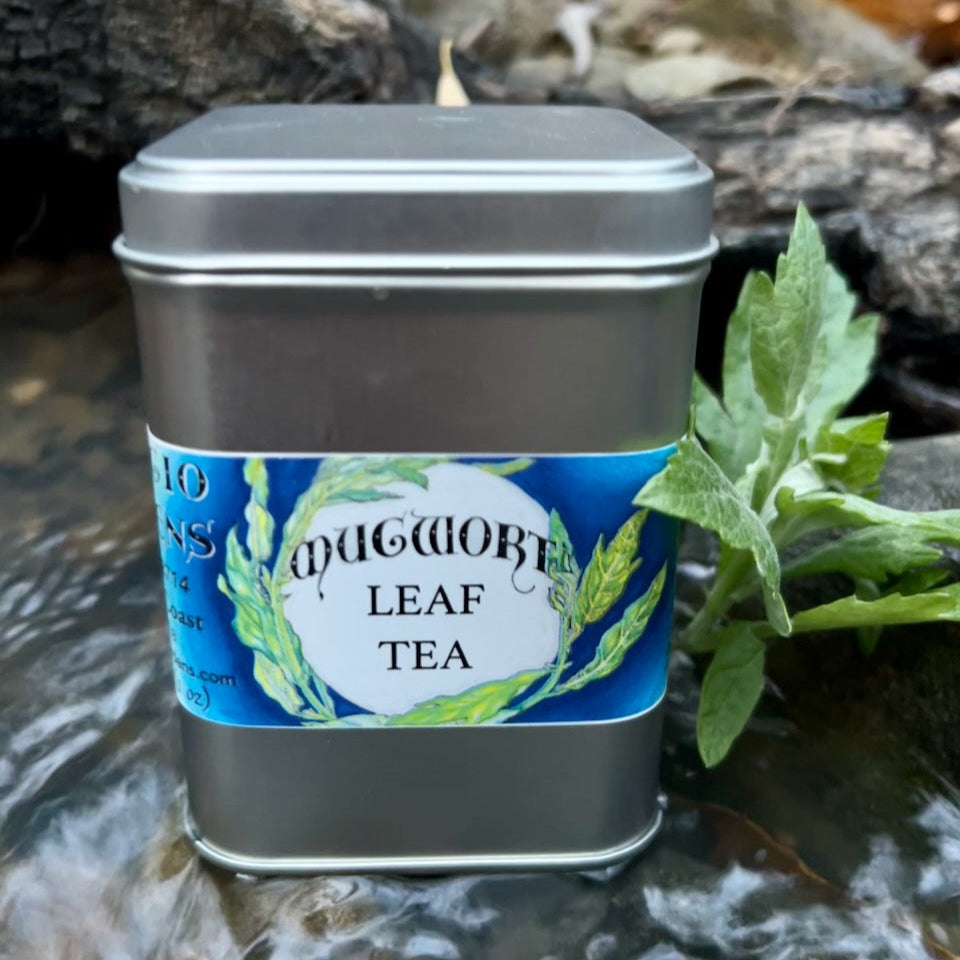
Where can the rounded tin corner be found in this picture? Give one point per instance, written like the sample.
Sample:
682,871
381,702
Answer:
579,860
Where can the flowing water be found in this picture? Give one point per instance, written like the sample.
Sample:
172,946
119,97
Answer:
829,834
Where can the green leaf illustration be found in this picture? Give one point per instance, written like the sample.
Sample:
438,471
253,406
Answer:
508,467
259,521
731,688
562,568
606,575
276,684
476,705
343,479
616,641
283,673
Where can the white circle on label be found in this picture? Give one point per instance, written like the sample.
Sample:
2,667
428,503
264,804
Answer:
388,625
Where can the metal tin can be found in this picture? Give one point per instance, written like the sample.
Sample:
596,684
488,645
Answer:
405,369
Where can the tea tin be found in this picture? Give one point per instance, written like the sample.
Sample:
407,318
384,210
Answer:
405,369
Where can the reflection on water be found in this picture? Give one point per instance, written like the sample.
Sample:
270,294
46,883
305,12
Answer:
807,844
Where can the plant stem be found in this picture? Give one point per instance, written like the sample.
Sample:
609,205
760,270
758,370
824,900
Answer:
697,634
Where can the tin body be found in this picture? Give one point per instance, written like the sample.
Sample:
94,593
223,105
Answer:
474,291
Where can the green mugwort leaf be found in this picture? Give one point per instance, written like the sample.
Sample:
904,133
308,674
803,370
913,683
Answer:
850,454
874,553
868,637
610,568
616,641
692,487
731,689
733,432
783,345
827,509
713,424
476,705
846,352
940,604
921,579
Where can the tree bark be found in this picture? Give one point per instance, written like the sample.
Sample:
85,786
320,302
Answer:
106,76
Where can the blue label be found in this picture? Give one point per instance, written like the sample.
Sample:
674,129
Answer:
413,590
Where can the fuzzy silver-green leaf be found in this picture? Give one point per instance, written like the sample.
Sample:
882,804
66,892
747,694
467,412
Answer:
783,346
731,689
692,487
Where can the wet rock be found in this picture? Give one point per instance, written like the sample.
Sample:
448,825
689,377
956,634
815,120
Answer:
815,35
610,67
533,24
689,75
533,74
630,23
482,27
942,84
678,40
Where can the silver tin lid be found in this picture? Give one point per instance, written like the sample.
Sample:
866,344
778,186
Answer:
267,188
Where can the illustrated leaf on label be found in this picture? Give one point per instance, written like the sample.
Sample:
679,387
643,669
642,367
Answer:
508,467
259,522
238,570
252,622
344,479
476,705
363,496
731,689
692,487
606,576
850,454
783,346
872,553
616,641
942,603
274,682
562,568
